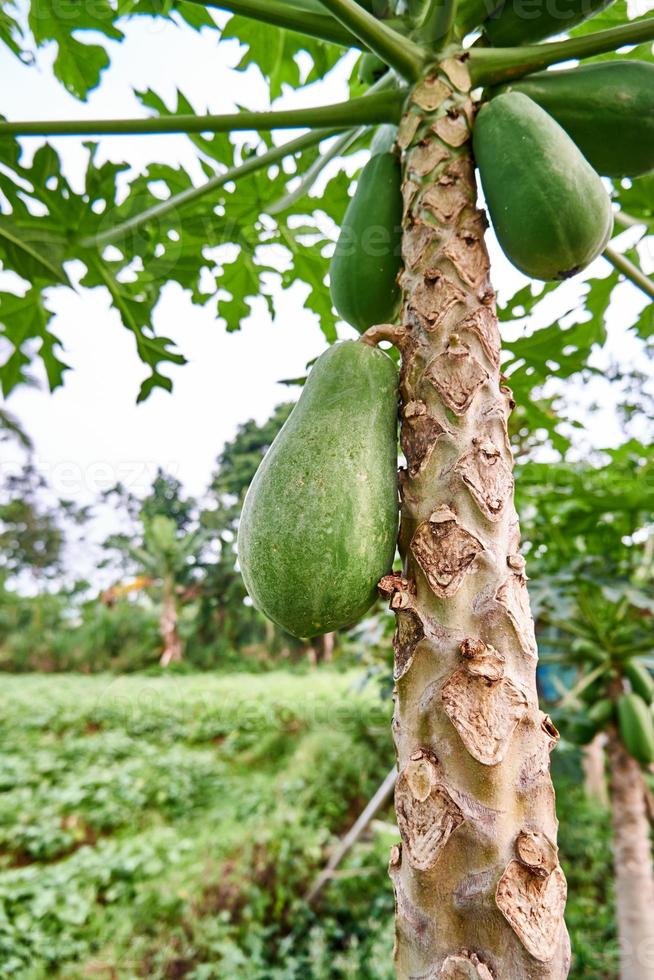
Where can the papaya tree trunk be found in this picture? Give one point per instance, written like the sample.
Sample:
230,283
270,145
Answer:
634,876
594,765
173,649
479,890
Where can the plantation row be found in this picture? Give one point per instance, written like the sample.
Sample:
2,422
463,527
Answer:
148,826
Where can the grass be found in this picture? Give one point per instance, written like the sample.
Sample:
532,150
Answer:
167,827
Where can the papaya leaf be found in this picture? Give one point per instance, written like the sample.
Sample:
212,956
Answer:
11,33
25,320
32,258
275,53
77,66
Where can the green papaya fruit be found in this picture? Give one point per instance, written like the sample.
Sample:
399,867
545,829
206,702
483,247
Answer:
640,679
636,728
366,262
601,713
606,107
519,22
319,521
384,139
550,210
371,68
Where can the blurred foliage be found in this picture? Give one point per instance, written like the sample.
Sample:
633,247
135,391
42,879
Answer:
164,827
589,539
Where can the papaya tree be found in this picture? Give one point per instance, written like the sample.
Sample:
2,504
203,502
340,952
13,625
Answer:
479,890
162,547
590,527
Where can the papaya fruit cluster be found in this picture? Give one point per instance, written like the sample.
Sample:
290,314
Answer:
542,144
632,713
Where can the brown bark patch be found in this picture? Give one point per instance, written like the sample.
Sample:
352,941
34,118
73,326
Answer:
456,70
409,191
513,597
426,813
483,660
430,93
487,477
457,376
445,551
426,157
416,244
452,128
481,323
433,298
484,712
537,852
408,634
407,129
464,966
447,198
419,435
395,582
533,905
462,250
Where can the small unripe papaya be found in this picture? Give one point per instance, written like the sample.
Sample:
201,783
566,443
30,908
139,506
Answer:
550,210
319,522
640,679
606,107
636,728
601,713
366,262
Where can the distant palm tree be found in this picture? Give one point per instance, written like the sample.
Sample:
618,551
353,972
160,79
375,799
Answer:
165,557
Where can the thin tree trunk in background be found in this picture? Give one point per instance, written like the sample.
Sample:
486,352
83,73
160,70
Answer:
594,765
634,876
328,644
373,807
478,887
173,649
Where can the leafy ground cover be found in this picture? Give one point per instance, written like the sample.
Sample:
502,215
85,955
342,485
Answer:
168,827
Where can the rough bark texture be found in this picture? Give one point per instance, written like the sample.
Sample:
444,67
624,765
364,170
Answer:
479,891
634,875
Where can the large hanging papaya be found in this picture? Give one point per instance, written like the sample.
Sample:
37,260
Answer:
526,21
365,265
606,107
319,521
549,208
636,728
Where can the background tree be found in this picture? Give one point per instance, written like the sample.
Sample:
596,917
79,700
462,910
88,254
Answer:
591,542
162,548
500,891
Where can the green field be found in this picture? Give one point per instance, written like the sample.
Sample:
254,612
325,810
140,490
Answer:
168,827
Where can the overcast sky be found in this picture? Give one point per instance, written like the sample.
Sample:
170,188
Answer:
91,433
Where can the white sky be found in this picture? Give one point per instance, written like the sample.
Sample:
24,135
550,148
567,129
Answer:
91,433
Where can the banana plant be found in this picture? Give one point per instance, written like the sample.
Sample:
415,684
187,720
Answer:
478,885
164,557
